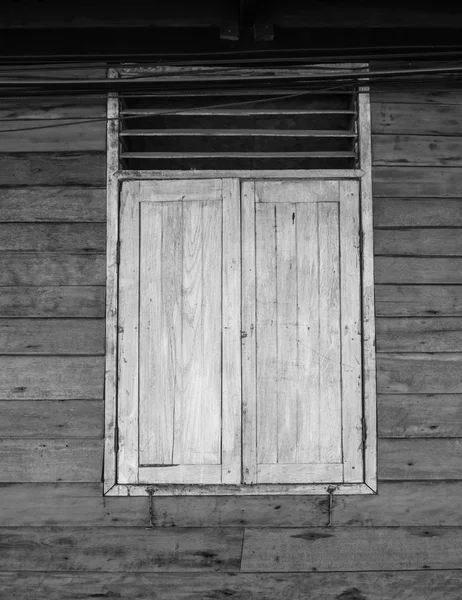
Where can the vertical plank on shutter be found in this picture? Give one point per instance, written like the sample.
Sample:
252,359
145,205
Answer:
287,331
266,336
197,436
160,328
231,369
329,348
308,332
249,382
351,331
128,336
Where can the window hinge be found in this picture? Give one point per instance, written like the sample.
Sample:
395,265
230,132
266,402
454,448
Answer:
364,429
118,252
116,439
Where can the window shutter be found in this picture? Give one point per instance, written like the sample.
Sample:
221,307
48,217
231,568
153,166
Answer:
179,342
301,307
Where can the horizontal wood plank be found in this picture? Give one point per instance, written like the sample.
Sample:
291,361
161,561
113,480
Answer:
417,270
420,415
418,242
83,505
53,302
418,182
51,419
50,460
407,118
419,150
18,269
71,203
52,336
118,549
84,238
428,585
436,334
341,549
51,377
404,503
429,97
47,134
433,459
399,373
418,300
86,168
417,212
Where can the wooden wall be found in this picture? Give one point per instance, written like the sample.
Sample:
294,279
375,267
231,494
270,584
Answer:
61,540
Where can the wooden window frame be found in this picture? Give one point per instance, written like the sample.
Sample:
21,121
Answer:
115,177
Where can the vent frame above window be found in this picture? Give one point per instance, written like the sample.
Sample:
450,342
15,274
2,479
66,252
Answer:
360,171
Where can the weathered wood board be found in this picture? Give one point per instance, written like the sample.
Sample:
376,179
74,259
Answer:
64,504
48,168
33,204
418,212
415,181
418,242
399,585
72,301
435,334
418,150
43,460
113,549
424,459
51,377
403,503
83,238
417,270
419,373
418,115
420,415
341,549
52,336
418,300
51,419
51,269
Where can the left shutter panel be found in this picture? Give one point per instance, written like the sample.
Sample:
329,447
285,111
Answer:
179,345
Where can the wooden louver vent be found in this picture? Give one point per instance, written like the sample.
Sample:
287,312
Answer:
239,129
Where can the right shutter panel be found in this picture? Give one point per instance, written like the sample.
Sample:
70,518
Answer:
304,349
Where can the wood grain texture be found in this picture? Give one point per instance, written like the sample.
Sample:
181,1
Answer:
66,203
87,168
437,334
417,212
52,336
44,460
52,302
400,585
400,373
430,459
418,300
402,504
417,270
428,97
53,419
83,504
17,269
418,150
418,115
117,549
418,242
53,237
420,415
51,377
418,182
341,549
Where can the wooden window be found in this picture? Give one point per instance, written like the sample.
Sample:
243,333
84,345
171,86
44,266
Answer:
240,358
240,316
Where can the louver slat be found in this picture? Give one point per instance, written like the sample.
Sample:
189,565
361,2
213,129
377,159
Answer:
239,130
